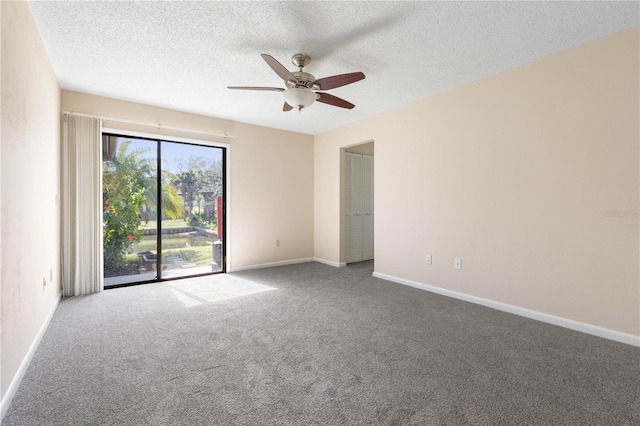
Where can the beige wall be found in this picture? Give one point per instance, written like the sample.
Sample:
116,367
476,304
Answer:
271,191
30,225
514,175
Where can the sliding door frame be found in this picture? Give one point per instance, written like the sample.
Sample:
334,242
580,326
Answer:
226,201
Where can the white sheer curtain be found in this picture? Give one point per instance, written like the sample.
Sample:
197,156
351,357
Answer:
82,206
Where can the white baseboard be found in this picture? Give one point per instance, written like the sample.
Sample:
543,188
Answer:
606,333
330,262
289,262
15,383
272,264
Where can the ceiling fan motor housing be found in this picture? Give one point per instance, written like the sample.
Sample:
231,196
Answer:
305,81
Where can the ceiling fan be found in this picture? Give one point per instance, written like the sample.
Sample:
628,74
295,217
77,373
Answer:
301,88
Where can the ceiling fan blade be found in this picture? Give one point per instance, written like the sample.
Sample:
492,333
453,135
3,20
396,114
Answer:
286,107
267,89
334,81
334,100
284,73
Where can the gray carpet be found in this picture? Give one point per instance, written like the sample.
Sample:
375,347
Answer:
310,344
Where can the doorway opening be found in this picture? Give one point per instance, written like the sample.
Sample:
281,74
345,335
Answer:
163,209
358,203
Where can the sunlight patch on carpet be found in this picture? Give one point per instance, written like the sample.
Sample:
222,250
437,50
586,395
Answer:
196,291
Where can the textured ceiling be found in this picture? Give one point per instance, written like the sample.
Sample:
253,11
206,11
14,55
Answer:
182,55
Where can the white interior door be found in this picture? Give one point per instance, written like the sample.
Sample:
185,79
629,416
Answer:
358,207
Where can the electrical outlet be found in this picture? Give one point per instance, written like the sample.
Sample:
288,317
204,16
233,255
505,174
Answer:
428,259
457,263
277,243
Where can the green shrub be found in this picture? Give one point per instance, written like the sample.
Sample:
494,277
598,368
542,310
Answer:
121,219
199,219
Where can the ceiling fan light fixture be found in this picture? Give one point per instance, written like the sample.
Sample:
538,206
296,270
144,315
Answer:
299,98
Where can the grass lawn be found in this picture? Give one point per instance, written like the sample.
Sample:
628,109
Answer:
191,248
166,224
149,243
196,249
201,256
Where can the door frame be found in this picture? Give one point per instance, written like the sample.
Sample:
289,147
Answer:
226,248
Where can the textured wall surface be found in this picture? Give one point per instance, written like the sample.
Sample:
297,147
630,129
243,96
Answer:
30,187
530,177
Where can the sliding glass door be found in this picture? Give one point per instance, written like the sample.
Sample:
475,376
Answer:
192,179
163,209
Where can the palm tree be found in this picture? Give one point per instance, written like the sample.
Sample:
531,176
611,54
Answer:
171,203
130,182
189,184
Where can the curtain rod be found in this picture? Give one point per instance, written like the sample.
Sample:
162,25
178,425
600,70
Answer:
139,123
